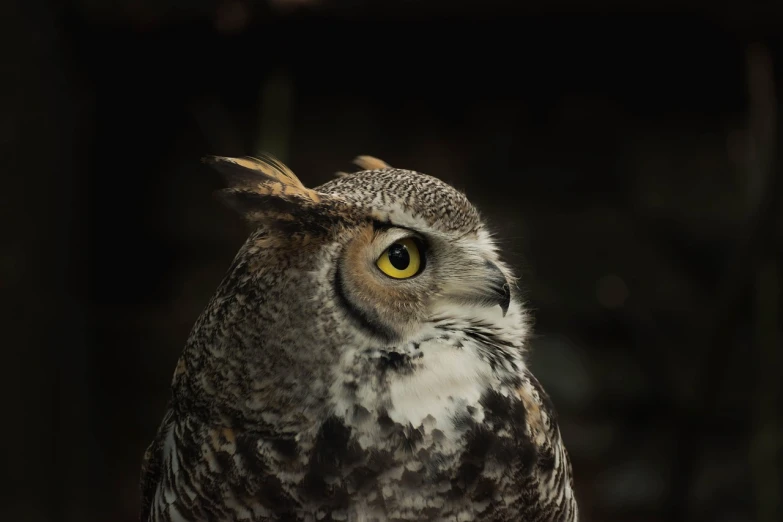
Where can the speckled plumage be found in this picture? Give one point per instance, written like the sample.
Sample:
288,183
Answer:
312,387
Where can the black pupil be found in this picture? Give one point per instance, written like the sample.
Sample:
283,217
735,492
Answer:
399,257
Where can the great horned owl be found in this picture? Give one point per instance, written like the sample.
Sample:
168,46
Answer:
363,359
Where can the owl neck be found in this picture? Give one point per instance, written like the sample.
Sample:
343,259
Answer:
249,358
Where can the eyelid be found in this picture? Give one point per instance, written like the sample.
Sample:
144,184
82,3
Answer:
386,237
392,234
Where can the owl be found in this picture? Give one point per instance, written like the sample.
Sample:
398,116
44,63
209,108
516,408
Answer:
363,359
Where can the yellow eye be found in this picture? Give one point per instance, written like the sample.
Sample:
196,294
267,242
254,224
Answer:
401,260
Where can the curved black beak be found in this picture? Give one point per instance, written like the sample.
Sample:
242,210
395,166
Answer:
499,289
505,299
482,285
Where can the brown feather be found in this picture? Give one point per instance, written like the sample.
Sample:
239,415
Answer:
370,163
264,175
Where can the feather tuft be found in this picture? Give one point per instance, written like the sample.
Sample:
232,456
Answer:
370,163
265,175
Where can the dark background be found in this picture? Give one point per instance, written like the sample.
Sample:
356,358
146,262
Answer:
627,161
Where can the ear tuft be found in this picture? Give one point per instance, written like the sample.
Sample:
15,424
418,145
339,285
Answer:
266,192
370,163
264,175
255,207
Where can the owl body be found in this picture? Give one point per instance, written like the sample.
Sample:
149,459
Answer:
329,380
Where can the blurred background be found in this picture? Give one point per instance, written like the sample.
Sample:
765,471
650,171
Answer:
629,162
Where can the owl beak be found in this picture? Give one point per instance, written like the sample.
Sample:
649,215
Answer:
484,285
499,289
505,299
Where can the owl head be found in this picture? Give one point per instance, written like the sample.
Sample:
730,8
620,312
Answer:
395,249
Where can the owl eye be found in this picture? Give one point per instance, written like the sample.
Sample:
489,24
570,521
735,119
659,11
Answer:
401,260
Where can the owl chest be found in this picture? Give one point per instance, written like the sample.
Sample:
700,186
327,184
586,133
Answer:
418,399
398,441
392,447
